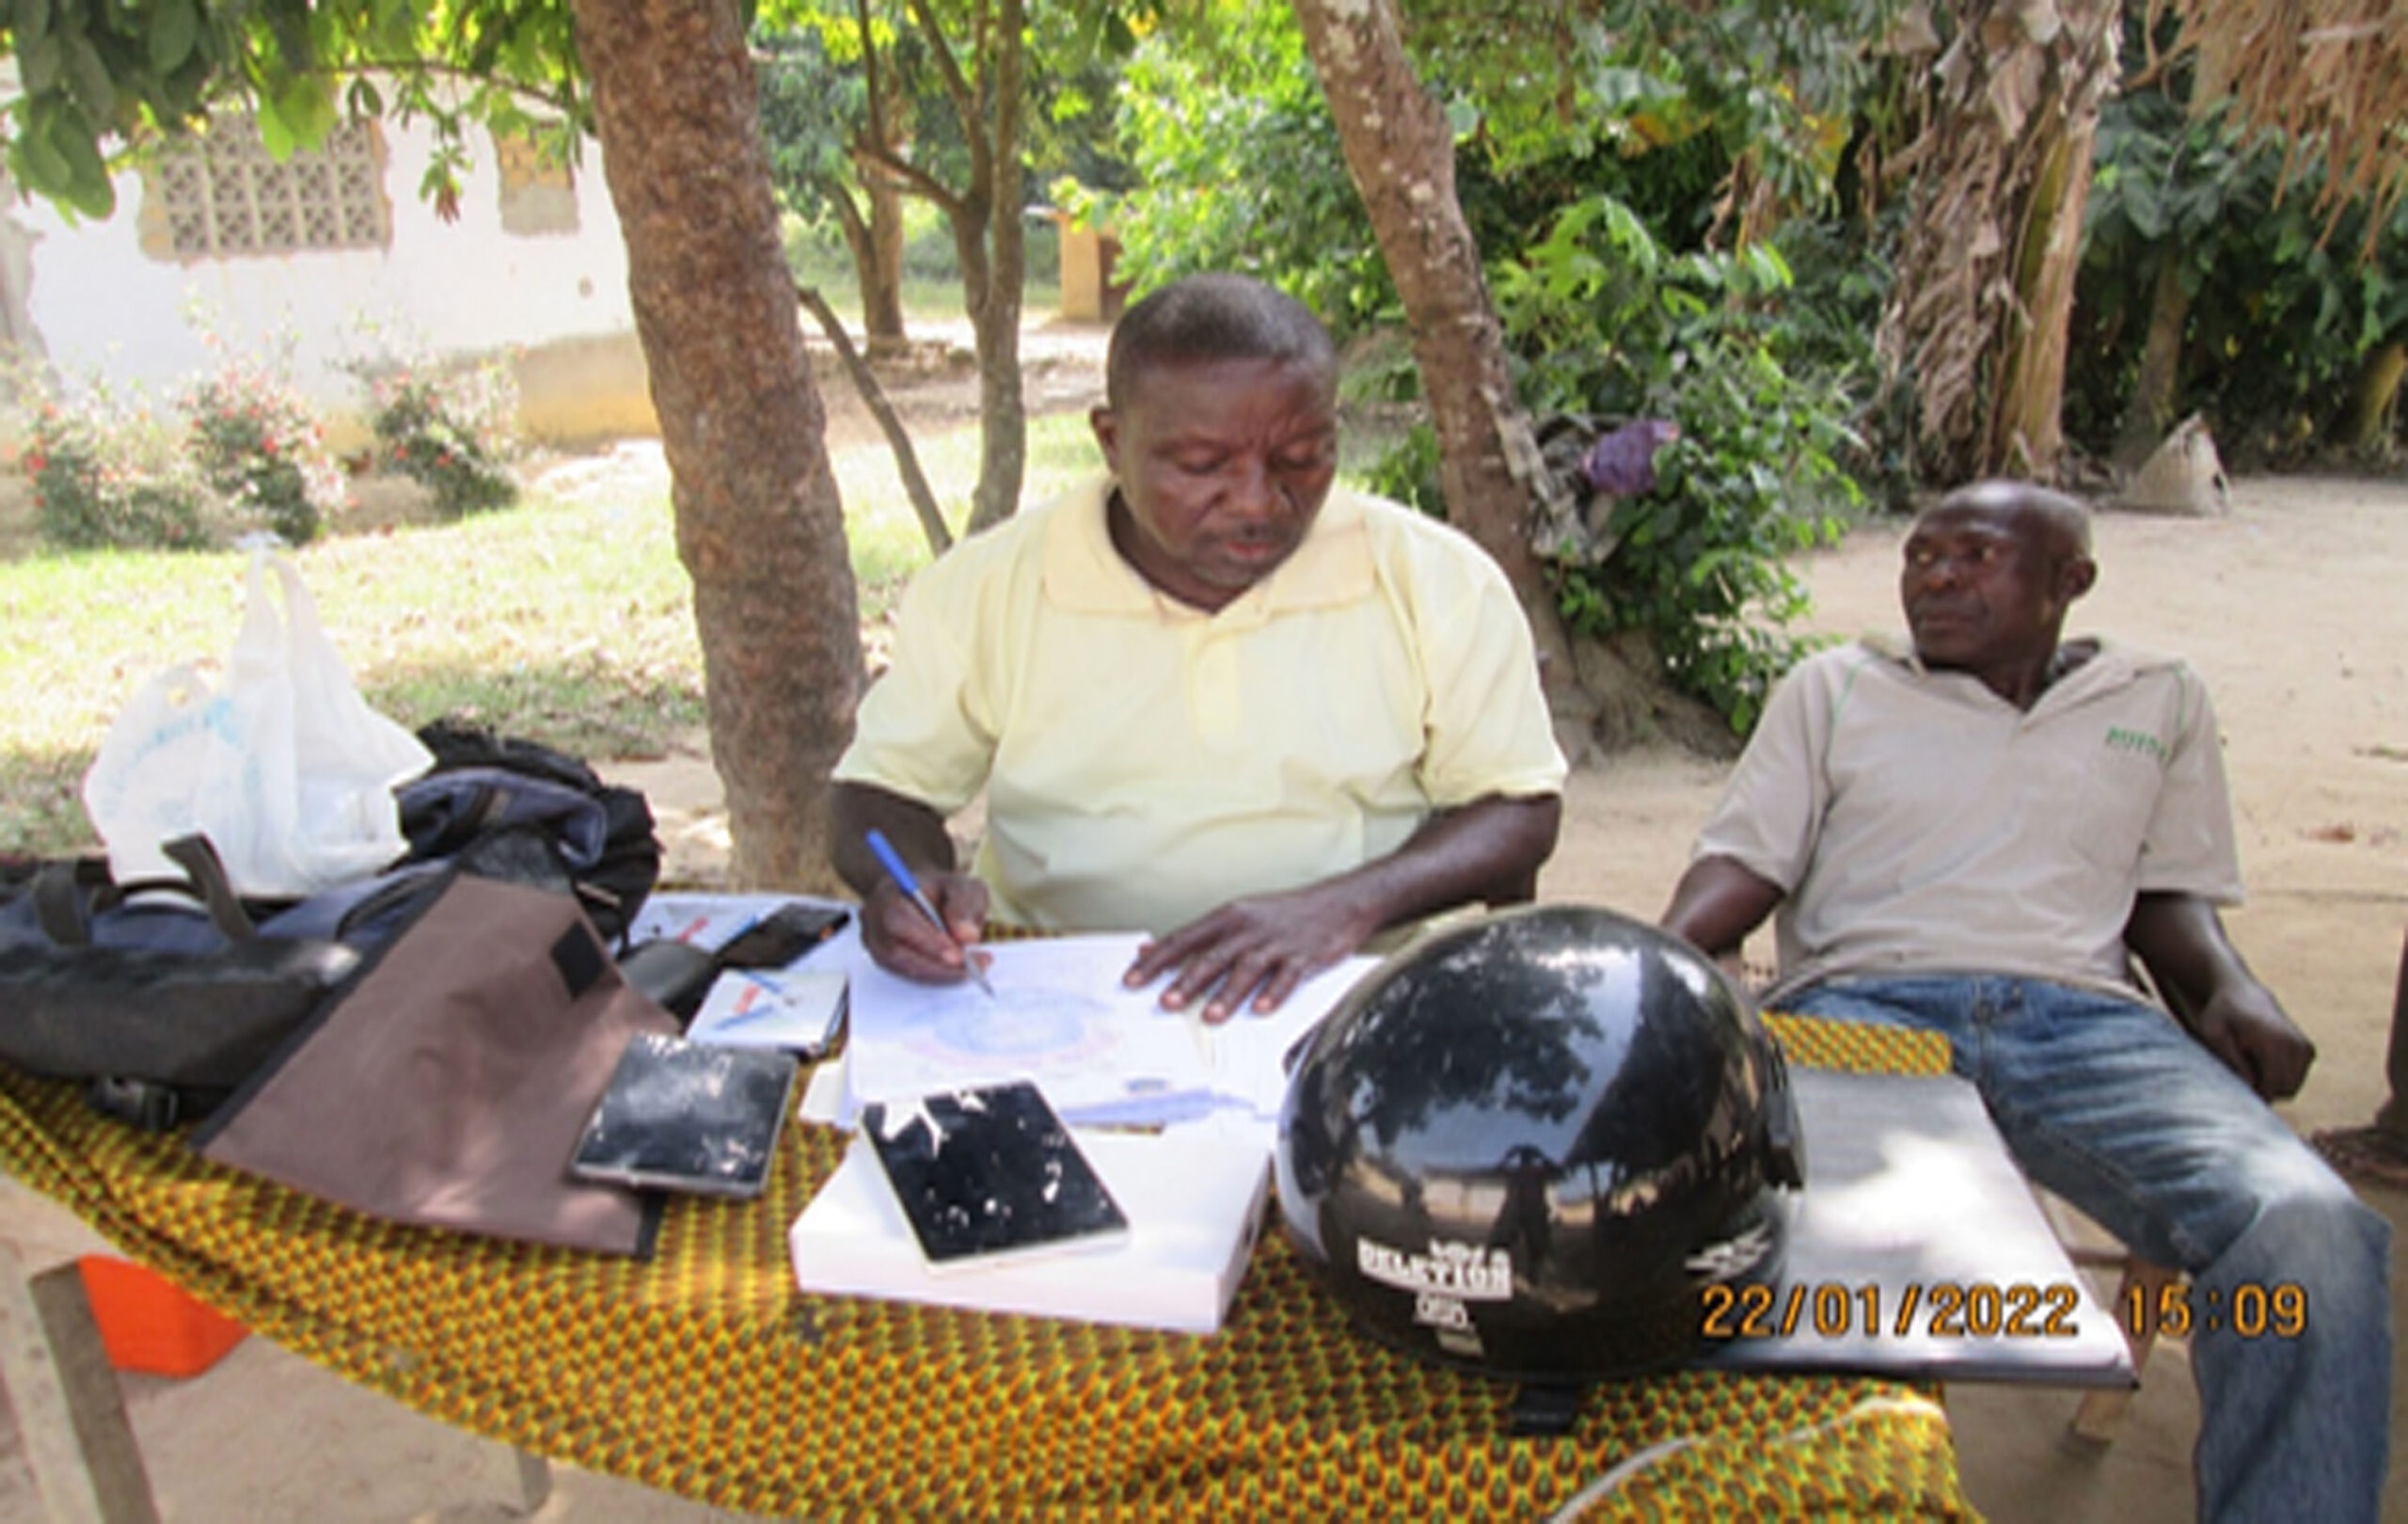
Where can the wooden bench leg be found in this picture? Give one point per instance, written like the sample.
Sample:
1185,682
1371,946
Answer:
2101,1413
534,1480
71,1415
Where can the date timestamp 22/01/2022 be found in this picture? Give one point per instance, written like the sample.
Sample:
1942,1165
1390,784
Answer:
1985,1309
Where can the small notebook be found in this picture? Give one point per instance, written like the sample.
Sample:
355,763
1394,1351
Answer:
681,1115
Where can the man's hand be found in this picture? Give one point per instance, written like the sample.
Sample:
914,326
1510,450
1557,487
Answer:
903,940
1258,950
2182,941
2246,1027
900,937
1262,947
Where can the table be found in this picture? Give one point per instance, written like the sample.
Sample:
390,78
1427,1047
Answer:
705,1373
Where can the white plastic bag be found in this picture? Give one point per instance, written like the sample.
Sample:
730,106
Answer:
284,767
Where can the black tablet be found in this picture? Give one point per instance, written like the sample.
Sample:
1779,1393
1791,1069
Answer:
989,1173
682,1116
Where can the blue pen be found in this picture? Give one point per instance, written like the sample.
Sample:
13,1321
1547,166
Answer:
904,879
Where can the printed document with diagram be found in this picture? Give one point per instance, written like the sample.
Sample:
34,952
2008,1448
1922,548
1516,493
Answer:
1102,1054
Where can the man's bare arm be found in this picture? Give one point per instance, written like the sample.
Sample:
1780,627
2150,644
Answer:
1717,902
2180,940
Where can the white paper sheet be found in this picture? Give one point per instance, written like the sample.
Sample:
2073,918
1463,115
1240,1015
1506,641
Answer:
1060,1016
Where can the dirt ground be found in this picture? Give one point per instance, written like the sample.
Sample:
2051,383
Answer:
2289,607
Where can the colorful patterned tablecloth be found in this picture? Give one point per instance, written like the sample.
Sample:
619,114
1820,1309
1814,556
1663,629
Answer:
706,1372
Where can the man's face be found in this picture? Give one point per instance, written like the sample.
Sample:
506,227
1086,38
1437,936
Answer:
1986,584
1221,465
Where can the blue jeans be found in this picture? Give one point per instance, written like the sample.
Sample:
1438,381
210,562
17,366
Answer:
2118,1110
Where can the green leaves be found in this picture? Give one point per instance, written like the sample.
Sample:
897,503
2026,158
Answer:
110,77
175,30
1613,327
89,77
1239,167
42,62
299,115
2274,305
55,152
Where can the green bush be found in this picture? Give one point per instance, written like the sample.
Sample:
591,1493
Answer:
259,445
105,474
450,431
1610,326
1619,328
2285,303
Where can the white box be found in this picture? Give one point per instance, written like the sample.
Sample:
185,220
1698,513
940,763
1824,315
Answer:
1193,1198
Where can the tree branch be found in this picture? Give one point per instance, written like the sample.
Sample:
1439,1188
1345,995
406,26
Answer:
914,180
907,461
957,89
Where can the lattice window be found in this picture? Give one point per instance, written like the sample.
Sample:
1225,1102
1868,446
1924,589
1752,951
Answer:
221,195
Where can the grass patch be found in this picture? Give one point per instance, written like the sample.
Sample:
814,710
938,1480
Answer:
885,535
569,622
567,619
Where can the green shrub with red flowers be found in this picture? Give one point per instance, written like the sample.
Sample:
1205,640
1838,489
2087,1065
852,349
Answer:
107,473
447,429
259,445
241,451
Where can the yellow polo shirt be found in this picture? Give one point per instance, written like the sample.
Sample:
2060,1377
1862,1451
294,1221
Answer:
1146,761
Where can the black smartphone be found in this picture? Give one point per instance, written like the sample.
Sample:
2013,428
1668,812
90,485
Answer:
783,935
676,976
680,1116
989,1171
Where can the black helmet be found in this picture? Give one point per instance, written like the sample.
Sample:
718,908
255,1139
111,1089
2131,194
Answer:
1526,1145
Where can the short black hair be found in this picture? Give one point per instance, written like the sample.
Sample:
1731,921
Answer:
1213,317
2060,513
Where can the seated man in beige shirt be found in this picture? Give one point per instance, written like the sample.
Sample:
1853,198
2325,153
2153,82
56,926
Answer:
1208,697
1973,833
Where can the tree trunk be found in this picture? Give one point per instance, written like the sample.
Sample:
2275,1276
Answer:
877,255
881,274
2372,397
994,298
2025,436
1976,319
1399,152
2150,413
855,228
759,526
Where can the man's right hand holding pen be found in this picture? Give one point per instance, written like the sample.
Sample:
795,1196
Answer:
905,940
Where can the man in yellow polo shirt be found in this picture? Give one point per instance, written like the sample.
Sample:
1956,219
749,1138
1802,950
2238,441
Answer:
1208,698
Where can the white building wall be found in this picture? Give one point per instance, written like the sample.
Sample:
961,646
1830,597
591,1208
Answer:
98,303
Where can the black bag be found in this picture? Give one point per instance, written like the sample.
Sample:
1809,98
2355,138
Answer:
166,995
482,781
163,998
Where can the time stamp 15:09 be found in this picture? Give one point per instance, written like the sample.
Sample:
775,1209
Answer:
1989,1309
